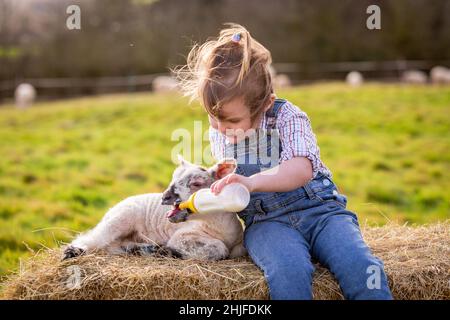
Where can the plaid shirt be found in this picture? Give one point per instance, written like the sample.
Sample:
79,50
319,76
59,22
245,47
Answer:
296,135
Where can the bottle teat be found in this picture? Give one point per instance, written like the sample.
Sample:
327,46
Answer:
189,204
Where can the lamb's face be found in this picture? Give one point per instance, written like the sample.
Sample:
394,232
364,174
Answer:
187,179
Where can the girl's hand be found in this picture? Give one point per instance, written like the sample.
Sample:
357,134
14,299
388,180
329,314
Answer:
218,185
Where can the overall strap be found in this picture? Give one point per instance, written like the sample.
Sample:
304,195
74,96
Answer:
272,113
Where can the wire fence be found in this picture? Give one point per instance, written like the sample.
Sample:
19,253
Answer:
297,72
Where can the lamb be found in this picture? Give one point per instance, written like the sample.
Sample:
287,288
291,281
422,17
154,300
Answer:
414,77
140,224
440,75
24,95
164,84
354,78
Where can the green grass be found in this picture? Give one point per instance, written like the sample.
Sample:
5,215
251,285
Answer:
64,163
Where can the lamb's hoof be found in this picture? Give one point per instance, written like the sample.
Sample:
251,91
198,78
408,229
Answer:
72,252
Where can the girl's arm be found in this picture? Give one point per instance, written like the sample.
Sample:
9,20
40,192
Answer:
287,176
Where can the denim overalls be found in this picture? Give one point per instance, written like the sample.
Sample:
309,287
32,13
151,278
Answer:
285,230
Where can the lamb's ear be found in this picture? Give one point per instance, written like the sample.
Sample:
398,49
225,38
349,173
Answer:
222,168
182,161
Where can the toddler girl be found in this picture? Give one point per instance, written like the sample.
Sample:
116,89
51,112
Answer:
296,212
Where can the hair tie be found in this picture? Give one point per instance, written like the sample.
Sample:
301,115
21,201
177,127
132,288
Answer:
236,37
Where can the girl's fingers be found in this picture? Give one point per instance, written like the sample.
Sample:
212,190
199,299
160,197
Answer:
215,187
229,178
218,185
222,184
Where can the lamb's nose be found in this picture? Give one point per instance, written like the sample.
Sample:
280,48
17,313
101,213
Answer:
168,196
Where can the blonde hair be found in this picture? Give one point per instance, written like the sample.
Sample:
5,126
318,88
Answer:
231,66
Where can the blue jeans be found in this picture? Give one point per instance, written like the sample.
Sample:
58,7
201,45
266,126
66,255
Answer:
285,230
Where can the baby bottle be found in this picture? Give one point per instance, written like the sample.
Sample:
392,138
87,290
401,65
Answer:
234,197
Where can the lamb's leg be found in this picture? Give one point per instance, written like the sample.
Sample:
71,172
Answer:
145,249
100,237
238,251
118,222
194,246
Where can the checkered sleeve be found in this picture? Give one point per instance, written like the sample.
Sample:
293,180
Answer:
297,137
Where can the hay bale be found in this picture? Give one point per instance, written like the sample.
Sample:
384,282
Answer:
416,261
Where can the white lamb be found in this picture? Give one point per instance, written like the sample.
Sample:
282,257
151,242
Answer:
354,78
140,224
440,75
24,95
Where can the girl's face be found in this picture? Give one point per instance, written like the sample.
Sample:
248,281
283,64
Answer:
234,120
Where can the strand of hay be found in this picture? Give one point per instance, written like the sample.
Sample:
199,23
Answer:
416,261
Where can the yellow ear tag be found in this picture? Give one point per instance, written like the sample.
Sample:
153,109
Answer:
189,204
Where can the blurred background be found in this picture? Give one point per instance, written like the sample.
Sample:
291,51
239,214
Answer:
87,115
122,44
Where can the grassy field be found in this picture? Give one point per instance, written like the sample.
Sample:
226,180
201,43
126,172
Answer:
64,163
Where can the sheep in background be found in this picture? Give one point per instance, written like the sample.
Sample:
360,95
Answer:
354,78
414,77
164,84
282,81
140,224
279,81
24,95
439,75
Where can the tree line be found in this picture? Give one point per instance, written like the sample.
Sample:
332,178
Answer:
132,37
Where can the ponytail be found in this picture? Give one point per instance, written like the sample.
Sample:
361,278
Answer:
230,66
